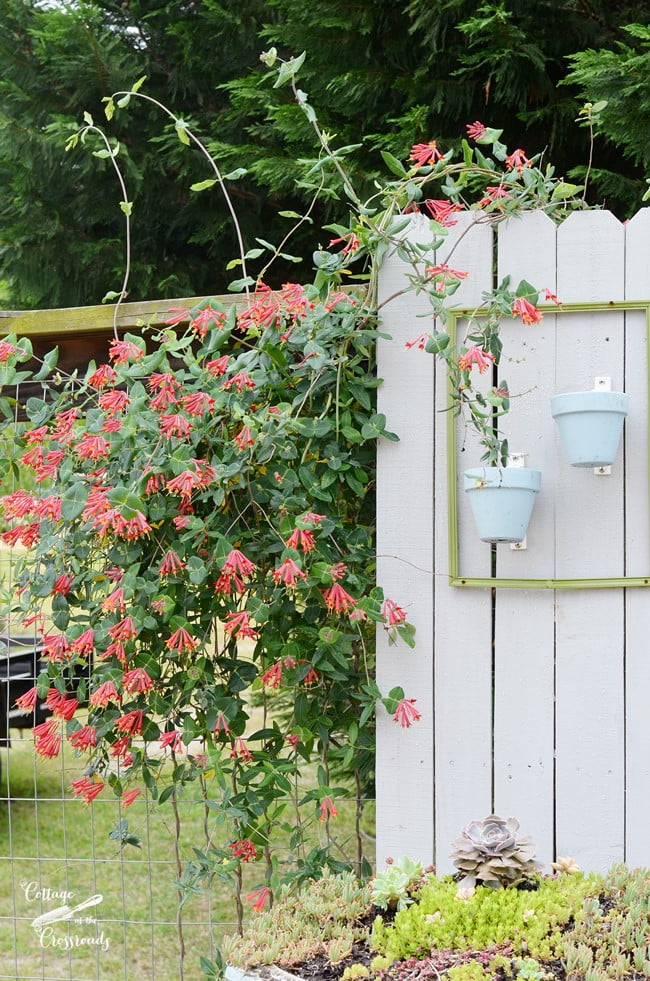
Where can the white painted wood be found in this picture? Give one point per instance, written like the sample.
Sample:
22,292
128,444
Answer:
405,795
463,618
524,644
590,540
588,648
637,546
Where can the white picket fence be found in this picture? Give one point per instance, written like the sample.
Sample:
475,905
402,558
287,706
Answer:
535,701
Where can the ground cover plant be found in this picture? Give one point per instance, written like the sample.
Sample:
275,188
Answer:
559,925
200,533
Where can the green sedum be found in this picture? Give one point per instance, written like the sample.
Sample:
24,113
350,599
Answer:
441,919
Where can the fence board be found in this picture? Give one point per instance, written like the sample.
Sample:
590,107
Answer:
405,570
637,546
463,656
589,537
524,645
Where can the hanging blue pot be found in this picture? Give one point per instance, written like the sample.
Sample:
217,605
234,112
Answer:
502,500
590,425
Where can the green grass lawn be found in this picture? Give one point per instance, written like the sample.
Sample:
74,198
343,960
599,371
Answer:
51,841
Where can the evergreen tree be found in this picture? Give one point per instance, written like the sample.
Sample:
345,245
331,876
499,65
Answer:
381,74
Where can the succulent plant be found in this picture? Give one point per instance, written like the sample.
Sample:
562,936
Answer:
489,852
391,888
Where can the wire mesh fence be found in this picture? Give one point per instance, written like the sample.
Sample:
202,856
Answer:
94,892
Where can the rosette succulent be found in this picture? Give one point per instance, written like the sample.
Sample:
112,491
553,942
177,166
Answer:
490,853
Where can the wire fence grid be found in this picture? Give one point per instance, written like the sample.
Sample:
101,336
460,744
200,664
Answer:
75,905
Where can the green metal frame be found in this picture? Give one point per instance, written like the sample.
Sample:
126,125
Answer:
456,578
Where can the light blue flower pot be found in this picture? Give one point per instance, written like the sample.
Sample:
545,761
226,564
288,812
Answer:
590,425
502,500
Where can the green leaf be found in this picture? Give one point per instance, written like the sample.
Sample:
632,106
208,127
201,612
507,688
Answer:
289,69
109,108
88,119
234,175
239,285
124,101
49,364
74,501
394,165
126,207
181,131
138,85
204,185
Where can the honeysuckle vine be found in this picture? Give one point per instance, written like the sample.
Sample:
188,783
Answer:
200,539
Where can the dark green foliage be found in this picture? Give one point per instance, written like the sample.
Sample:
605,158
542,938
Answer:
381,74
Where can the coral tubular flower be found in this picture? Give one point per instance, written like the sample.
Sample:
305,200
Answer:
171,564
441,211
244,438
338,600
171,740
114,401
130,723
103,376
27,702
221,725
178,316
123,630
87,788
218,367
56,647
84,643
175,425
300,539
310,517
66,708
84,738
443,274
527,311
517,160
137,680
475,130
6,350
425,153
181,641
47,739
310,678
63,584
107,692
406,713
207,318
239,381
237,563
115,601
184,484
327,809
288,573
122,351
259,898
244,849
272,677
475,356
197,403
394,614
240,750
129,796
238,625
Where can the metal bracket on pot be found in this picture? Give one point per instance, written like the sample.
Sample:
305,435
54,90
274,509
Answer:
602,383
517,460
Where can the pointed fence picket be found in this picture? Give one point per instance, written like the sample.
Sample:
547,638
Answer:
533,697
